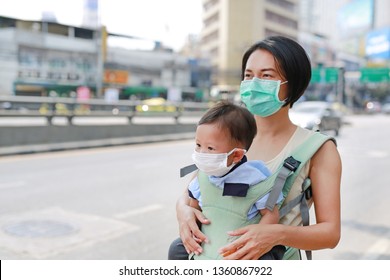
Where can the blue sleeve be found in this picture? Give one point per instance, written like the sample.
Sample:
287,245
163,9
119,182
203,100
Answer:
194,189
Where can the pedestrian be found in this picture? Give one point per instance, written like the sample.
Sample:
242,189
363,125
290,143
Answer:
275,73
228,184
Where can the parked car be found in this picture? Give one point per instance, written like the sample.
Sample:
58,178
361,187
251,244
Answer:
373,107
316,115
157,104
386,108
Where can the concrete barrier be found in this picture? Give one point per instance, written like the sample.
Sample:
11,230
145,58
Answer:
33,139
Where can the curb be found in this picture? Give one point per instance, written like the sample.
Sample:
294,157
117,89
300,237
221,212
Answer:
51,147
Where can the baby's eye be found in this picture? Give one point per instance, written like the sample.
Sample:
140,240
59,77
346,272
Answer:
210,148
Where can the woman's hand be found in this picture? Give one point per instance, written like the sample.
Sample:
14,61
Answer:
190,233
254,241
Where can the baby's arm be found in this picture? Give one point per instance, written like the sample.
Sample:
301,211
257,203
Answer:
268,216
194,193
194,203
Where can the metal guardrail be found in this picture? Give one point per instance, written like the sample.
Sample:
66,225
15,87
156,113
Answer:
51,107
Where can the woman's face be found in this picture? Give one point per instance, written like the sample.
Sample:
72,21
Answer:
261,64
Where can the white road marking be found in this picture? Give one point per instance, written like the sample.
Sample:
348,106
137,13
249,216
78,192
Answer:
10,185
380,247
377,154
138,211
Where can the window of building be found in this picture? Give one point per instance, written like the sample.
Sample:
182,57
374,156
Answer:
272,17
7,22
269,32
211,20
83,33
286,5
57,63
30,57
58,29
209,4
214,51
211,37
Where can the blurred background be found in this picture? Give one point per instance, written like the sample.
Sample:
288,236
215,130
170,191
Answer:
98,73
191,51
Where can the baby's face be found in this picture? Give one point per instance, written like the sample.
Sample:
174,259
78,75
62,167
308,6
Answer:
210,138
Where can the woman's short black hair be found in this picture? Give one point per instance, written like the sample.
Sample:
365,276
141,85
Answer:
235,119
291,61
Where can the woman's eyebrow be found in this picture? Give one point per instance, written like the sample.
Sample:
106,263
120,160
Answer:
261,70
267,69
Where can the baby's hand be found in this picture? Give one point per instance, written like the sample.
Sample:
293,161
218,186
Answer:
197,239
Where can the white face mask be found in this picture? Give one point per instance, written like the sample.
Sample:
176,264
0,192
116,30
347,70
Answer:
213,164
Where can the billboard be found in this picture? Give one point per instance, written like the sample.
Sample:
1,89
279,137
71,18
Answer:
113,76
378,44
355,17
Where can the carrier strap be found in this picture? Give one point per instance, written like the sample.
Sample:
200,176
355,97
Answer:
187,170
306,193
289,166
303,207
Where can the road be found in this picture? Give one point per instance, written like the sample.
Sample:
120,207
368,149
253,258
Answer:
119,202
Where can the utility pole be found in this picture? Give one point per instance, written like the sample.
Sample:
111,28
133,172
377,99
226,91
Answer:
100,61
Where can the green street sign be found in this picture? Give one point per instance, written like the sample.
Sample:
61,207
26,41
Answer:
374,75
323,75
315,76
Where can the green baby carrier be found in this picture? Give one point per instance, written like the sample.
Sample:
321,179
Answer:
228,213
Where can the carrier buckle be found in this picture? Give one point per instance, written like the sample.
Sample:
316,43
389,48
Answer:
291,163
308,193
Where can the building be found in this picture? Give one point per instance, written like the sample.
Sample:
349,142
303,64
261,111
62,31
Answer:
352,37
231,26
47,58
344,28
39,56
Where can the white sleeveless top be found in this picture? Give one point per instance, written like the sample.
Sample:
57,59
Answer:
300,135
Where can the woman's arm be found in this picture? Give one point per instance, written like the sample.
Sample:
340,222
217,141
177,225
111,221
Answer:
187,218
325,174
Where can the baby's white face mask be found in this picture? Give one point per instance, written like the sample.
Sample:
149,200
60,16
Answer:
213,164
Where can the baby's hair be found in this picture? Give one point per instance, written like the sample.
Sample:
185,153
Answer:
237,120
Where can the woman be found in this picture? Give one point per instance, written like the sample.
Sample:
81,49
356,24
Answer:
275,74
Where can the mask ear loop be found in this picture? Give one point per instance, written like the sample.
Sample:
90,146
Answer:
282,83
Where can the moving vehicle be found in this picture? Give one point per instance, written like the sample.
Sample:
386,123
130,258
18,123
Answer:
157,104
316,115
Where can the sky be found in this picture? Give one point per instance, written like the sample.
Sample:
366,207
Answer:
168,21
